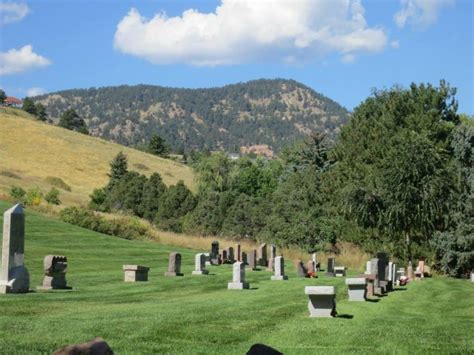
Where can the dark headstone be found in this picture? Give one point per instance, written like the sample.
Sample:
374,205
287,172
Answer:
252,259
214,255
261,349
174,265
330,268
97,346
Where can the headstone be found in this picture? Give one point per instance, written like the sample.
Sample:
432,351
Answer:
370,279
311,267
94,347
315,262
330,268
368,269
271,260
301,269
382,285
55,268
262,259
14,277
200,265
238,252
421,267
410,273
357,288
134,273
400,274
230,255
394,274
238,277
244,258
472,276
174,265
322,301
252,260
262,349
224,258
207,257
279,273
214,254
390,278
340,271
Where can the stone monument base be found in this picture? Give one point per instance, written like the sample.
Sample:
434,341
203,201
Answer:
238,285
202,272
173,274
280,278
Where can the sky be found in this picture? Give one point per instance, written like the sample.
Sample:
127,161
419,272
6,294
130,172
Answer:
341,48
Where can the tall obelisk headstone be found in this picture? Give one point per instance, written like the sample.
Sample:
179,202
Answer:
14,277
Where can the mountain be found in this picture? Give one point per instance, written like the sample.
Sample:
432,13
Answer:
261,115
35,154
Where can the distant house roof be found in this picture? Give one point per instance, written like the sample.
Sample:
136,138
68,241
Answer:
10,100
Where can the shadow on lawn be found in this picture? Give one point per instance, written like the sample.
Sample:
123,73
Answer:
375,300
399,289
345,316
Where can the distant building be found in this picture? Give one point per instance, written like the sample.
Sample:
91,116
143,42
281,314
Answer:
11,101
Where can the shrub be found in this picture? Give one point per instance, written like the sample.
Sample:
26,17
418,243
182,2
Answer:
52,197
122,227
98,197
17,194
58,182
34,197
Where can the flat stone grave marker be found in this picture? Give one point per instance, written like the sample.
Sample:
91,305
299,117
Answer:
14,277
174,265
134,273
322,301
357,289
340,271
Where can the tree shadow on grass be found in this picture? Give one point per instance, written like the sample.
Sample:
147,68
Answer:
253,288
345,316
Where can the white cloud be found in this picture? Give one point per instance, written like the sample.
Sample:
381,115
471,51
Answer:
19,60
348,58
35,92
248,31
420,13
395,44
12,12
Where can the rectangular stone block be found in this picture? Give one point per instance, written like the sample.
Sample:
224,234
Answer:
134,273
340,271
322,301
357,289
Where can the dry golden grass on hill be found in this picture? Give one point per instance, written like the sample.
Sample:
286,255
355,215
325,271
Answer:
36,154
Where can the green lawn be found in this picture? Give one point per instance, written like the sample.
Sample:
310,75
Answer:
197,314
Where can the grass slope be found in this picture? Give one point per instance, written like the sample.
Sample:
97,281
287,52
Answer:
199,315
34,150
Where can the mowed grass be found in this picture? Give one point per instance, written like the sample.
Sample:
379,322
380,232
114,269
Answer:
32,152
198,315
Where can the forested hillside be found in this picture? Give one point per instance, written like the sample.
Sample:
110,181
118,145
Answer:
242,117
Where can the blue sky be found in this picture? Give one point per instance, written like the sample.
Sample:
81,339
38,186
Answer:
340,48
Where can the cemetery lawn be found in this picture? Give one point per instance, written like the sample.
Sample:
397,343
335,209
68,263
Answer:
198,315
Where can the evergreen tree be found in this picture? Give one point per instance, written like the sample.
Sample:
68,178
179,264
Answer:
157,146
118,169
154,191
3,96
71,120
41,112
29,106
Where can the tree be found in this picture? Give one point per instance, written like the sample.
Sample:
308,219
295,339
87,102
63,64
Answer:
177,202
118,169
158,146
71,120
3,96
41,112
29,106
154,191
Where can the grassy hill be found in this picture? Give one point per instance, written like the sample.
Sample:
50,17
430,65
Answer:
35,154
255,116
199,315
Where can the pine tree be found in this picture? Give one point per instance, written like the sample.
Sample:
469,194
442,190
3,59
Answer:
29,106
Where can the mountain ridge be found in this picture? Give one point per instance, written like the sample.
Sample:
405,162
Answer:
233,118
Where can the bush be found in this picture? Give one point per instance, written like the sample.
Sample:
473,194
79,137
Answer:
122,227
34,197
58,182
98,197
17,194
52,197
